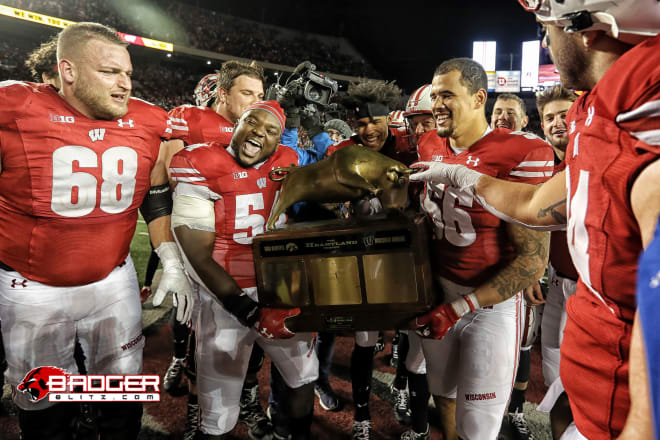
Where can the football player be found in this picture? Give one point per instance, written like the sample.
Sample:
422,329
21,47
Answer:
220,99
76,166
481,263
607,198
509,112
222,199
553,105
42,63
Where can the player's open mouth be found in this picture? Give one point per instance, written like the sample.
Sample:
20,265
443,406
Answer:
251,147
372,139
440,119
559,133
119,97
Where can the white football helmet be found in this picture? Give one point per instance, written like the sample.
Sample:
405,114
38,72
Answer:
396,119
206,90
627,20
419,102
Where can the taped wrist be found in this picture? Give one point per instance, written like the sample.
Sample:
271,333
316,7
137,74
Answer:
465,304
169,256
242,307
157,203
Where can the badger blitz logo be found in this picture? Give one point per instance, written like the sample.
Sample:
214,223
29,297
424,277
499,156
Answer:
61,386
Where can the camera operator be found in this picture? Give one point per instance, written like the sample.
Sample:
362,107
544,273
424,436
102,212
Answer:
303,96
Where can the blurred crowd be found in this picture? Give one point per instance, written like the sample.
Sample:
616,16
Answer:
208,30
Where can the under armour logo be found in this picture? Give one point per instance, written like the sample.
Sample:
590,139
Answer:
97,134
261,182
555,282
15,283
265,334
121,123
469,161
590,112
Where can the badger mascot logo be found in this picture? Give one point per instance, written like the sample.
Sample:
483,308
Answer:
35,383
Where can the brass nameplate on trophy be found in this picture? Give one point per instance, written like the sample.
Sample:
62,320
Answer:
372,274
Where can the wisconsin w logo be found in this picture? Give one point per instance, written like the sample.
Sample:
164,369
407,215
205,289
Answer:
97,134
261,182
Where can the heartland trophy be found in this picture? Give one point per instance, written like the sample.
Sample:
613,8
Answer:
368,273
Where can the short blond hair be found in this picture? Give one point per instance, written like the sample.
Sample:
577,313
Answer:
73,37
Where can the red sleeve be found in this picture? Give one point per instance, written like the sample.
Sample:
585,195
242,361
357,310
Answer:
194,165
179,119
642,121
14,96
534,166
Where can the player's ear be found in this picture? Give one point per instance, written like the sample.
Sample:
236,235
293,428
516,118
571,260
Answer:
222,95
68,72
589,37
480,98
525,121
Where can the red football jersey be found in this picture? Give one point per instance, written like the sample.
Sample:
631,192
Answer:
470,244
612,137
196,125
70,186
243,199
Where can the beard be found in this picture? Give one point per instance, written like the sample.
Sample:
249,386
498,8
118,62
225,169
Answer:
445,131
572,64
100,105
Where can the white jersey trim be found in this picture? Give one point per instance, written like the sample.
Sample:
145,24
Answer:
646,110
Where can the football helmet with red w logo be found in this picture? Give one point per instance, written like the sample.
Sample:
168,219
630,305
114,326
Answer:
206,90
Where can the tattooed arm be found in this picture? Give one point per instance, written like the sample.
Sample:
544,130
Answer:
532,248
534,206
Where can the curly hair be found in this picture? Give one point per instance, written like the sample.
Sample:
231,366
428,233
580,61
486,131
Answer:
370,90
43,60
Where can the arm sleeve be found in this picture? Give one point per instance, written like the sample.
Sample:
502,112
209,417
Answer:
290,137
14,97
308,156
179,124
642,121
535,167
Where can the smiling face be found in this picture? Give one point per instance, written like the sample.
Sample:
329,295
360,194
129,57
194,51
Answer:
553,122
455,109
101,80
256,137
508,114
373,132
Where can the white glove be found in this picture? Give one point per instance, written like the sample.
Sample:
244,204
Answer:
455,175
174,280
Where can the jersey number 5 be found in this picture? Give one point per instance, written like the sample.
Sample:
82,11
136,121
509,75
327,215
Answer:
253,222
74,193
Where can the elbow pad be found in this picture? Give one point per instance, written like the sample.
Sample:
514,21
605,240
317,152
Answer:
193,212
157,203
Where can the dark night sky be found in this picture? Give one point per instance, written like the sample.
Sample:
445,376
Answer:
404,40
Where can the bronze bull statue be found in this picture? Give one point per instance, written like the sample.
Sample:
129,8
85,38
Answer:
349,174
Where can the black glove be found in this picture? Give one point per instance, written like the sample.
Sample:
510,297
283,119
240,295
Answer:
242,307
292,117
312,124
